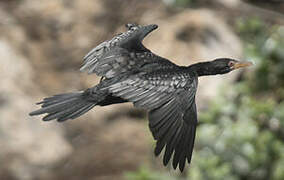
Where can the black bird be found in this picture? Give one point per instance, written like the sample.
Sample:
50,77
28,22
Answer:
132,73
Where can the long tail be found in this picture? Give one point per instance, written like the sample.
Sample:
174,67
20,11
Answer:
65,106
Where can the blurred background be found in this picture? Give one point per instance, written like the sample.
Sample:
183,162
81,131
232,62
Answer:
240,134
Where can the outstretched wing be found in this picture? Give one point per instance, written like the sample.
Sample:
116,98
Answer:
128,43
119,61
170,99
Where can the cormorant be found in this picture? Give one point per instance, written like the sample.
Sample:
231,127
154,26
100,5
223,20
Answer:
132,73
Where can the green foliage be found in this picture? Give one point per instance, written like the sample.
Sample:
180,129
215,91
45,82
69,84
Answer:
146,174
264,45
242,142
182,3
185,3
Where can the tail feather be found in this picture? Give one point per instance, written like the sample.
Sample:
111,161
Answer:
65,106
63,113
78,112
57,98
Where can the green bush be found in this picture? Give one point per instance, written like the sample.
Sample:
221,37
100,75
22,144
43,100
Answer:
182,3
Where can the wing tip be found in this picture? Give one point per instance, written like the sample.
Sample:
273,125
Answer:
131,26
154,26
36,112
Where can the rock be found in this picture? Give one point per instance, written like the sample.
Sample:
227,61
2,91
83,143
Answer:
26,145
107,149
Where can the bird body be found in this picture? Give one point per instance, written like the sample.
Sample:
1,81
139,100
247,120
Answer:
132,73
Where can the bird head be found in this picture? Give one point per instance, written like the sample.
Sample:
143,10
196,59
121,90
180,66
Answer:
226,65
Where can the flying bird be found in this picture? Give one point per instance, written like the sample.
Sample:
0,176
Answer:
132,73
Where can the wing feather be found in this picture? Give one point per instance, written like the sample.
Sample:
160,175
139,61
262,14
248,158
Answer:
124,53
130,40
172,111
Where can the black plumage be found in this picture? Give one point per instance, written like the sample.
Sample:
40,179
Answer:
132,73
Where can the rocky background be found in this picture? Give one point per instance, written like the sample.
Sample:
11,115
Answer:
41,48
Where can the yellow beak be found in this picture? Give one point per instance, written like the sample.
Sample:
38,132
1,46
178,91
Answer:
242,64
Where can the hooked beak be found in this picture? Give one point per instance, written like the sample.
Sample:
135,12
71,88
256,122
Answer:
241,64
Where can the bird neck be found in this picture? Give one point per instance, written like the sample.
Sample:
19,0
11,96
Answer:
202,68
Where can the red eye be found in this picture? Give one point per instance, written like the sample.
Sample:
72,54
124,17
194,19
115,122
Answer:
231,63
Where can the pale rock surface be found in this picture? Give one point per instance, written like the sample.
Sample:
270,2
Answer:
25,142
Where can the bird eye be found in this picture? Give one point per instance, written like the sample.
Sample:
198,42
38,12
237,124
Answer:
231,63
